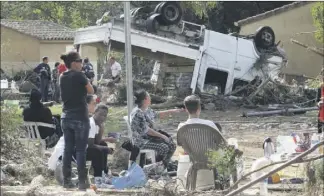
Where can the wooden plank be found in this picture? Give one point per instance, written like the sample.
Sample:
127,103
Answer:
180,69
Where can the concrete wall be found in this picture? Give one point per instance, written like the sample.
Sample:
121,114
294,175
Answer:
286,26
53,49
17,48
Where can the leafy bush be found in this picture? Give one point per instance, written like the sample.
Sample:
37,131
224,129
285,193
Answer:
224,161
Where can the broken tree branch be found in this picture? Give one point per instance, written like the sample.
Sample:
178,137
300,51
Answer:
250,97
288,163
272,164
312,32
313,49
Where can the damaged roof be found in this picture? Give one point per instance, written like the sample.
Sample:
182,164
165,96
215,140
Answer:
43,30
271,13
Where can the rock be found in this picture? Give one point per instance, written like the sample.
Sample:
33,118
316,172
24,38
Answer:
35,184
13,169
210,106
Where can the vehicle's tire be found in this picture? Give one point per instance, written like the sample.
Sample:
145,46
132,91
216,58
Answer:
152,23
157,7
171,13
264,38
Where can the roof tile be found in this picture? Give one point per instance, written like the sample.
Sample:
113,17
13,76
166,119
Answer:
43,30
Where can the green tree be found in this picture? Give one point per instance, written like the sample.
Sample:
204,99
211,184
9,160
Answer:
318,17
74,14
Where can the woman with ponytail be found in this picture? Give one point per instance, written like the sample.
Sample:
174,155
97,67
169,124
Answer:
74,87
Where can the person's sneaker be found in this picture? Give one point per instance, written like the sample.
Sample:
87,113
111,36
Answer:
83,186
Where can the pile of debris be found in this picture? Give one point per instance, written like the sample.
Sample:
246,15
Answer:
116,93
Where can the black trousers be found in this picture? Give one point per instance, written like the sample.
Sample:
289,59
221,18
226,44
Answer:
319,125
98,159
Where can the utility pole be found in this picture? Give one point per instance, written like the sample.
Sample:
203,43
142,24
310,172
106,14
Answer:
128,58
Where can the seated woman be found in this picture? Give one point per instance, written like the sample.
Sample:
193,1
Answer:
142,126
37,112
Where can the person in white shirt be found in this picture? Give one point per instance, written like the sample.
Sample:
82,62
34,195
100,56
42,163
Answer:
98,150
115,69
193,108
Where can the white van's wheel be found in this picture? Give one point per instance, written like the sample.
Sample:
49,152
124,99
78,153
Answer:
264,37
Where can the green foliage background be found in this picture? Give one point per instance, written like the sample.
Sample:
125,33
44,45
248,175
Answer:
318,16
219,16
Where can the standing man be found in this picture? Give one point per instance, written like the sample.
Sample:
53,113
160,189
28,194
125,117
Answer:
115,69
44,71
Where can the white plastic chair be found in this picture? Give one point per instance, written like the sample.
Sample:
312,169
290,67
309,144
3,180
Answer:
148,153
33,133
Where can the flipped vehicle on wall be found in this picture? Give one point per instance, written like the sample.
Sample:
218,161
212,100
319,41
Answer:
178,46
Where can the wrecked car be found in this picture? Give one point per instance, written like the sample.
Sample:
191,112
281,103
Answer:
216,62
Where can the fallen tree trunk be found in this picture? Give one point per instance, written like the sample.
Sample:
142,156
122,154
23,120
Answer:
288,163
283,111
313,49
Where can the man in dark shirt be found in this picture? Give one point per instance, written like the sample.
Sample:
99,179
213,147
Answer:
88,69
44,71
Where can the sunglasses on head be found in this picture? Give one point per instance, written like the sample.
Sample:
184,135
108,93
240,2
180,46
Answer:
78,60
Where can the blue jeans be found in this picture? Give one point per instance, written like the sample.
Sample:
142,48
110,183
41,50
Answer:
76,133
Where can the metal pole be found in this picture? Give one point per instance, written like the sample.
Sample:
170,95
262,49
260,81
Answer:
128,58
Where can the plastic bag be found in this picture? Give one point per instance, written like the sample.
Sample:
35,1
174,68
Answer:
134,177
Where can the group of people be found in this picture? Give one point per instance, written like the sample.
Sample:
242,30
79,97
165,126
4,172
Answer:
49,78
82,122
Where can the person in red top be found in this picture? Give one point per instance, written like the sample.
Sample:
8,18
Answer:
61,68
